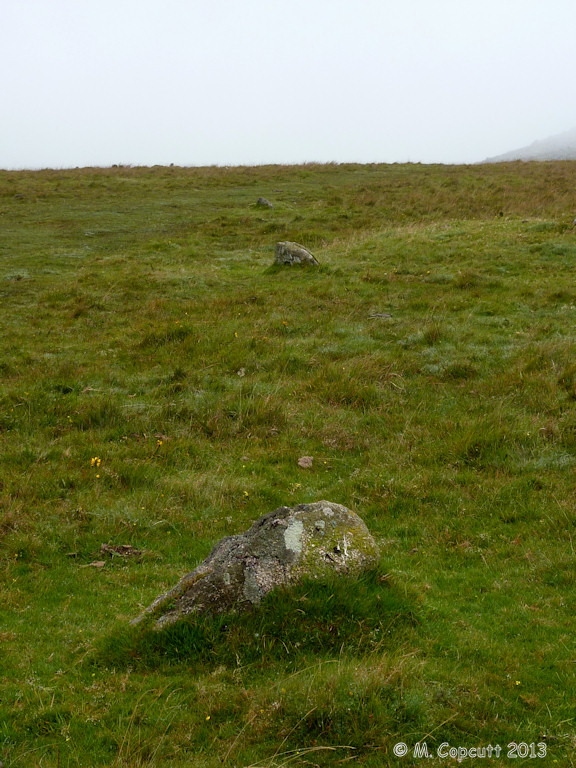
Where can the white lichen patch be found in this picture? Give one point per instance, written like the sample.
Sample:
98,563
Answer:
293,536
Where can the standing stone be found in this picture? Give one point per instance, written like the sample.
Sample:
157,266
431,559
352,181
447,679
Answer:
292,253
281,548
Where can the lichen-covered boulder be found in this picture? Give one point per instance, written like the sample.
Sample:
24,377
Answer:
292,253
282,547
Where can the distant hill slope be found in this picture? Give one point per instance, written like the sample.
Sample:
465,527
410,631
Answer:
559,147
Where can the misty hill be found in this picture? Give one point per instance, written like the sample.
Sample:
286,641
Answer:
559,147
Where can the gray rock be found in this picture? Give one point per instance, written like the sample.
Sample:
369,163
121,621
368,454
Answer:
281,548
292,253
264,203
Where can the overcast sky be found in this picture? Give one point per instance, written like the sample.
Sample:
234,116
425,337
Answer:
234,82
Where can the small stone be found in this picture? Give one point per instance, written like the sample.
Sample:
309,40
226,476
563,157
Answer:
262,202
306,462
287,253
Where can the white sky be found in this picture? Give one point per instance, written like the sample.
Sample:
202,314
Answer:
231,82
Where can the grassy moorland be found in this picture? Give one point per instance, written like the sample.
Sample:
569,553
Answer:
160,380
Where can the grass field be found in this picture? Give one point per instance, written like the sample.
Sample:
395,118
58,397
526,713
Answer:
159,381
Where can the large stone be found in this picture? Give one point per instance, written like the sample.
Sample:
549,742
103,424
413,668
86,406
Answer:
281,548
292,253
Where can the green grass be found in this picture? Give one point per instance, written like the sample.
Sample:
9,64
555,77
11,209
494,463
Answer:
428,366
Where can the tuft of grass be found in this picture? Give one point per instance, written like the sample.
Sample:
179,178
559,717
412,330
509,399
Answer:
469,278
315,618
